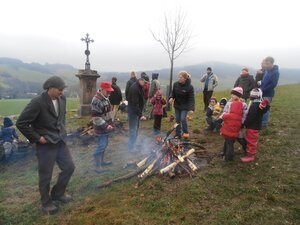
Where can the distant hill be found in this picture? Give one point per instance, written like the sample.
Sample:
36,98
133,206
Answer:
20,80
226,72
17,78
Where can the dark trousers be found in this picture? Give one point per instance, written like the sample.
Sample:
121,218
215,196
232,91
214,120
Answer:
47,155
157,124
206,97
228,149
134,124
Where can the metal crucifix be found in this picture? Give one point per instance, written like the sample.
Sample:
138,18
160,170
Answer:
87,52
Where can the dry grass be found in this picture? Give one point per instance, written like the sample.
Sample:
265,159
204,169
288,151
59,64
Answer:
264,192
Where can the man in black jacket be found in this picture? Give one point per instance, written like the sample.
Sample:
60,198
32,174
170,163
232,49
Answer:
115,97
43,122
135,110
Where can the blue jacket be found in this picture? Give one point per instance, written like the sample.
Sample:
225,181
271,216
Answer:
270,81
7,134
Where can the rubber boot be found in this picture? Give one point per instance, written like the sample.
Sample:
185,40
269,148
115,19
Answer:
229,153
248,158
105,163
98,164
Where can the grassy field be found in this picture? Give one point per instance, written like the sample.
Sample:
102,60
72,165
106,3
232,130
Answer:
264,192
15,106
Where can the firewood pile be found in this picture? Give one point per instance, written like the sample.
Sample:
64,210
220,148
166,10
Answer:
171,159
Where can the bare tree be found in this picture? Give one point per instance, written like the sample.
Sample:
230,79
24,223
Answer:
174,37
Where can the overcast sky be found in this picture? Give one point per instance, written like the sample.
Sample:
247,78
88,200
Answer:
233,31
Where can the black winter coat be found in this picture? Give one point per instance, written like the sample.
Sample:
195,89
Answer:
254,117
128,85
136,99
184,96
116,96
39,119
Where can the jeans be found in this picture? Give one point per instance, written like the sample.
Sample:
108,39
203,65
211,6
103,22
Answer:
266,116
102,142
181,120
47,155
134,123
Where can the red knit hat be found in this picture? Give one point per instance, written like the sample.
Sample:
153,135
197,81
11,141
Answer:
238,91
106,86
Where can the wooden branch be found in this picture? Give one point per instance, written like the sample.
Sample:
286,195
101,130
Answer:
122,178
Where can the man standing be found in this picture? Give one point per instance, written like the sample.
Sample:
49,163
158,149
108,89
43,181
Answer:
43,122
135,110
102,123
268,84
131,81
115,97
260,74
210,81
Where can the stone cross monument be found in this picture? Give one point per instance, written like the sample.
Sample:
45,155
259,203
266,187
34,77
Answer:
87,79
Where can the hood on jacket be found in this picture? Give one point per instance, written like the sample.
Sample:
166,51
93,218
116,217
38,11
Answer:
158,93
274,68
7,122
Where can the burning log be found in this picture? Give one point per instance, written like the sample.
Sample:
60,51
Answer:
172,158
174,164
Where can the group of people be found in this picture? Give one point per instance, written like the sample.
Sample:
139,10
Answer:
236,120
43,120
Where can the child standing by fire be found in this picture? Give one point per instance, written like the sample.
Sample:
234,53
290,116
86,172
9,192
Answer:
233,117
158,102
253,123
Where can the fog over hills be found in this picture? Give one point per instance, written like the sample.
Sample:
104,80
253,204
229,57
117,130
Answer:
17,78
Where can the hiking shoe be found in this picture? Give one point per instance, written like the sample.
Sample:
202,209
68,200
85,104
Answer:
66,198
100,169
107,163
50,209
247,159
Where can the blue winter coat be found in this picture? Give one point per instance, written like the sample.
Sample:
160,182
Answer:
7,134
270,81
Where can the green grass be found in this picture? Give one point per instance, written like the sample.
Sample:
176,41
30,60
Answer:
264,192
15,106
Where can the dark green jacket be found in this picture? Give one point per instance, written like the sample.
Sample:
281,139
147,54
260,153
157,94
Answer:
247,83
39,119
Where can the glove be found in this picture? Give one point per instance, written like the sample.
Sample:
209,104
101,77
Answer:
264,104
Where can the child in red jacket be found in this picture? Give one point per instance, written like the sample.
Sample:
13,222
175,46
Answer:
233,116
158,102
253,123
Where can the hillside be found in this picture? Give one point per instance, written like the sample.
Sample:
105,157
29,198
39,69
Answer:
18,78
263,192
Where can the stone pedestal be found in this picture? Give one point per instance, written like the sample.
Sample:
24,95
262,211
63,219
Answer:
88,80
